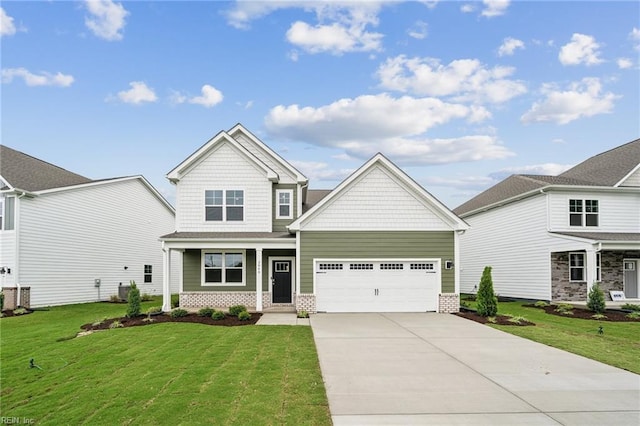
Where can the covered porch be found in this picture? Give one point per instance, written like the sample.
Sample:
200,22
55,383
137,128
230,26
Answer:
610,259
218,270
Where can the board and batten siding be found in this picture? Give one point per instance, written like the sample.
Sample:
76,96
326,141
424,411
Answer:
224,169
192,272
376,201
280,225
69,238
618,212
375,245
514,241
284,175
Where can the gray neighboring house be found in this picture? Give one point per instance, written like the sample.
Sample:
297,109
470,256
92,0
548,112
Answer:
60,232
552,237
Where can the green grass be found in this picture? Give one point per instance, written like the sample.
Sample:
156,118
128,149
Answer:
618,345
168,373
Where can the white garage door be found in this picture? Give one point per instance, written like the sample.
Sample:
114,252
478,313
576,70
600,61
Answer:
377,286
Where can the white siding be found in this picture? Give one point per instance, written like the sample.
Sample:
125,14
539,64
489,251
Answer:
70,238
7,257
376,202
513,240
633,179
224,169
284,175
618,212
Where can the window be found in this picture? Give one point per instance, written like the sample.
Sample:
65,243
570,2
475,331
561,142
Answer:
387,266
223,268
361,266
576,267
224,205
330,266
428,266
7,213
1,211
148,273
598,274
583,212
284,208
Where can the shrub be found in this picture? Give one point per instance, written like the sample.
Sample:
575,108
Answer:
1,301
236,309
517,319
19,311
206,312
179,313
218,315
633,315
492,320
98,322
487,301
146,297
630,307
244,316
595,299
116,324
564,309
114,298
175,300
540,304
148,319
154,310
598,316
303,314
133,308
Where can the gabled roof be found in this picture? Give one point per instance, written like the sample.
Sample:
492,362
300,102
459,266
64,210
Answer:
225,137
607,169
380,160
22,171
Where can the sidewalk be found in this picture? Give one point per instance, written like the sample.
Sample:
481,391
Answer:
285,318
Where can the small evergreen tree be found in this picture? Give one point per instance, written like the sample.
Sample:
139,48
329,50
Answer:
133,308
487,301
595,299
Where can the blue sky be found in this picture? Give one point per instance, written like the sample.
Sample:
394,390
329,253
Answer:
458,94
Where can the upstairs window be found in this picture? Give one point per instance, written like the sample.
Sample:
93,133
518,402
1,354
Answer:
224,205
284,208
583,212
7,213
148,273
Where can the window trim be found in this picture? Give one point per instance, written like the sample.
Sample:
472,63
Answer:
285,191
146,274
224,206
583,267
583,214
203,253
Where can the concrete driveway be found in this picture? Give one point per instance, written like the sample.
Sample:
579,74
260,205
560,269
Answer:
429,368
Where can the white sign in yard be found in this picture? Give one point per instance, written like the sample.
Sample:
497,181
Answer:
617,295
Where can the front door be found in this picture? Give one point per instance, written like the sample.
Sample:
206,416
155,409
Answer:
281,281
631,279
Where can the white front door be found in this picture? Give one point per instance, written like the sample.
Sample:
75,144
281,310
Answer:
388,285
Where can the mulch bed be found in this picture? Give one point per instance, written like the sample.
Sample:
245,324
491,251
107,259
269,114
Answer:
611,315
499,319
10,313
228,321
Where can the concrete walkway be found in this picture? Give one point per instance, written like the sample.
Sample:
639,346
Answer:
281,318
441,369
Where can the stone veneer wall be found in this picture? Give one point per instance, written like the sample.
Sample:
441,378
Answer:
612,275
306,302
219,299
449,303
11,297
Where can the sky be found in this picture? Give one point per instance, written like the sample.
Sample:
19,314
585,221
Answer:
459,94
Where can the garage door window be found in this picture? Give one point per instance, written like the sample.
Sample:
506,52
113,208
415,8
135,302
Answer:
361,266
425,266
330,266
391,266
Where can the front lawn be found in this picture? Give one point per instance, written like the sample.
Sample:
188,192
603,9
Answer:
170,373
618,345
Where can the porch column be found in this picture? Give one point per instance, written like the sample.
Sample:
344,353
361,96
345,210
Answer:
166,279
259,279
591,268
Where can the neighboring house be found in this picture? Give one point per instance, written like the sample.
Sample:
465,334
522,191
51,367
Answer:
60,232
552,237
249,231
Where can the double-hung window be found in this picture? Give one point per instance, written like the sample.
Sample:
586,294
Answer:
222,205
583,212
223,268
148,273
576,267
7,213
284,207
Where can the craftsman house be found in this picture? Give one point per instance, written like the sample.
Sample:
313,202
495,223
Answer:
250,231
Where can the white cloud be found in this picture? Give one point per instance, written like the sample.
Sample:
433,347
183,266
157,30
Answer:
581,99
138,94
624,63
467,8
494,7
319,171
107,19
334,38
634,35
462,79
460,181
418,30
365,125
7,27
547,169
42,79
509,46
582,49
210,97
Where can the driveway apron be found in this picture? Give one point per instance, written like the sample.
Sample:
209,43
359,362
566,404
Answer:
428,368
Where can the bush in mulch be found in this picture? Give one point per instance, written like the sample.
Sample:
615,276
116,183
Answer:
498,319
581,313
228,321
18,312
